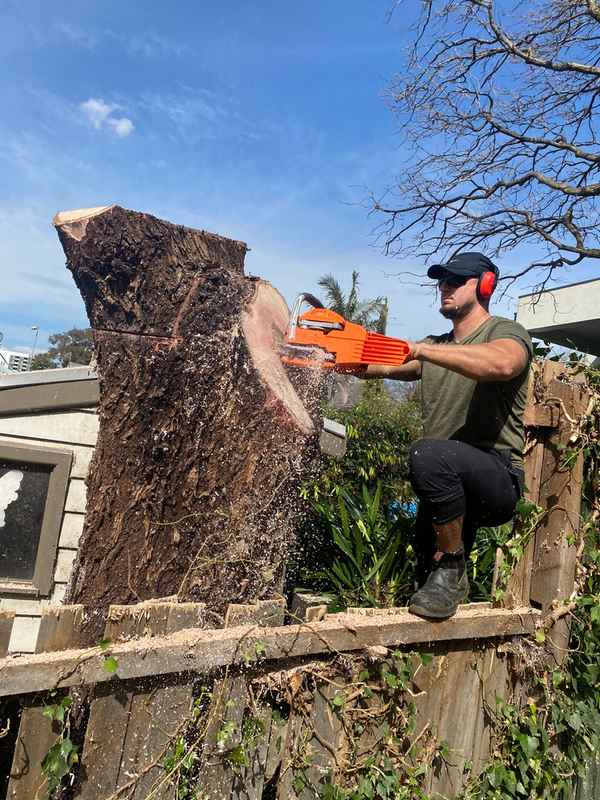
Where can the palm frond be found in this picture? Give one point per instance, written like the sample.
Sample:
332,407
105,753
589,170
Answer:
353,301
334,295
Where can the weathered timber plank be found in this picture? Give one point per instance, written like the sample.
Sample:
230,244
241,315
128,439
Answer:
311,748
6,623
457,697
165,709
401,611
324,743
203,650
248,784
541,416
277,738
131,725
427,680
266,613
59,628
518,588
296,733
226,713
217,776
494,681
560,494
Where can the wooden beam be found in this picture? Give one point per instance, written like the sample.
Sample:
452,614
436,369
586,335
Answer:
541,416
202,651
554,561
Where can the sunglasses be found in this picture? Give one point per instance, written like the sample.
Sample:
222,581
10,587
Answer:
454,281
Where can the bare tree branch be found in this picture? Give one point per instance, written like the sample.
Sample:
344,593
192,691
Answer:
497,107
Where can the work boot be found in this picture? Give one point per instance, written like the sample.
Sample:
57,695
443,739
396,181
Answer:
446,587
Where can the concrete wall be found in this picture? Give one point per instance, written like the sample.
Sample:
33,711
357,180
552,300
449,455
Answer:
75,430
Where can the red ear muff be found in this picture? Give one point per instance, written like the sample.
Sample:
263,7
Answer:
486,285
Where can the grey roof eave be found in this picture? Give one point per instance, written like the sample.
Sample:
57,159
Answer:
12,380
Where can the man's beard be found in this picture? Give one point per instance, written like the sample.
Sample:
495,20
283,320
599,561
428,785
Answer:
452,312
456,312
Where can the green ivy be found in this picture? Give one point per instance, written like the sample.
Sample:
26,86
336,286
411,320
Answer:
63,755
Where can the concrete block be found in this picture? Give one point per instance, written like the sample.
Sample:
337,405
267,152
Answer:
76,496
64,565
71,529
24,635
58,595
302,602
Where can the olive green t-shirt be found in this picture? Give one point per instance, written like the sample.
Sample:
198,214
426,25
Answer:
486,414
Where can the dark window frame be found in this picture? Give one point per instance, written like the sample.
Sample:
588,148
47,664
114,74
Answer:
60,461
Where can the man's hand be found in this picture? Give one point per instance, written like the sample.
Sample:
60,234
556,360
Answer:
414,354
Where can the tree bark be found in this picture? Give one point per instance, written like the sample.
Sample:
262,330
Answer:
202,436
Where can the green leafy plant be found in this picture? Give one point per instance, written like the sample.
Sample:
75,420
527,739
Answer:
379,430
380,709
373,565
63,755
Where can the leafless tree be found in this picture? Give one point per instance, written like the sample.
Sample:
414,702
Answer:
497,103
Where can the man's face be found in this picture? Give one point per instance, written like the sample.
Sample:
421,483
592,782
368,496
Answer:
458,296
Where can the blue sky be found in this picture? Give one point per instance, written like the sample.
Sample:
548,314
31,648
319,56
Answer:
266,122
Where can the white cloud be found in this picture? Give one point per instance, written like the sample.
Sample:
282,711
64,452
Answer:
97,111
122,126
99,114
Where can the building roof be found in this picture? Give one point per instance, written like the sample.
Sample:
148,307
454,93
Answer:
568,315
48,390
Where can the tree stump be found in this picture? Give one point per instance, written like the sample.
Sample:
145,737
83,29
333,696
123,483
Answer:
202,436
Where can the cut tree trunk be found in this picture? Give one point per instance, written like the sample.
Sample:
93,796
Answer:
192,489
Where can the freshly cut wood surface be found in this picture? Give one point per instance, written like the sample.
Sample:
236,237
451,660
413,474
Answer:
204,650
264,323
203,439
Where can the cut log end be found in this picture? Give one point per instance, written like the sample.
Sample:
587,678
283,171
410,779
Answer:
264,323
75,222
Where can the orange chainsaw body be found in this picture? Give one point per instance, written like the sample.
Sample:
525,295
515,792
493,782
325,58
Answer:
344,345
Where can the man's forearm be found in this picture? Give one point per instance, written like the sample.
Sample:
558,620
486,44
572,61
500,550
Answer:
480,362
410,371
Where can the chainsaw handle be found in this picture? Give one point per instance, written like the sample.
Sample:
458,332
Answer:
305,297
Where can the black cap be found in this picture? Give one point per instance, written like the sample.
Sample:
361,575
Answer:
470,265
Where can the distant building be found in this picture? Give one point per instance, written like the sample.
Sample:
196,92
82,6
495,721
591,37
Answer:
567,315
48,431
13,361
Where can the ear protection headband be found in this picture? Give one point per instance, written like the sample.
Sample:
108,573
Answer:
486,285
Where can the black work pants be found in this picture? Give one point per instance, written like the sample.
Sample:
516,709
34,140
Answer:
454,479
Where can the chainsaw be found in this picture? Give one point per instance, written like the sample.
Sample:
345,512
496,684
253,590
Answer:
324,339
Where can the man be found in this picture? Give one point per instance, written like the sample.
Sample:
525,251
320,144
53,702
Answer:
468,469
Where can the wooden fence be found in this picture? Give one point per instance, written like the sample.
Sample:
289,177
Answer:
259,709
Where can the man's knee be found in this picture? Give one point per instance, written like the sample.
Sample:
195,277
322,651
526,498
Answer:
425,460
435,479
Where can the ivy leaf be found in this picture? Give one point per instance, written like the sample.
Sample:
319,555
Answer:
529,744
111,664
